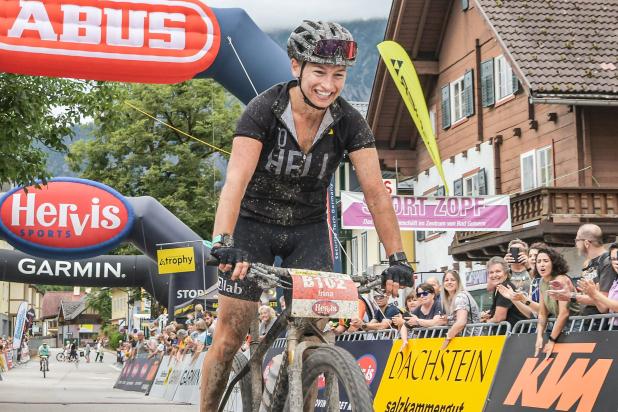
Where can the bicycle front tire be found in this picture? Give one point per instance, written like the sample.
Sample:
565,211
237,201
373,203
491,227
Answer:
60,357
339,362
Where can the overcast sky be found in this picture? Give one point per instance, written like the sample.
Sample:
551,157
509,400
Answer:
277,14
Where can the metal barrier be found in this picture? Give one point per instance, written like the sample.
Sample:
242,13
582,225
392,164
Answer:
590,323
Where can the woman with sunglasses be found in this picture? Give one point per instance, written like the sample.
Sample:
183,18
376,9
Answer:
428,312
288,144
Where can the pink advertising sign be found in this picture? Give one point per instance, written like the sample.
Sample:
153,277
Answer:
457,213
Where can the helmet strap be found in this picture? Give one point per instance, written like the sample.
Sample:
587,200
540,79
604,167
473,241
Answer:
305,98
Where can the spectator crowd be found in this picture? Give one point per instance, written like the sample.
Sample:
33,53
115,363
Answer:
528,282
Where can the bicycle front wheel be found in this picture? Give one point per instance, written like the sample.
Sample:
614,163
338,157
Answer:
337,362
240,398
60,357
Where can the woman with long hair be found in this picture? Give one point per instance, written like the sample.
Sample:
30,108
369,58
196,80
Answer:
459,306
527,303
552,268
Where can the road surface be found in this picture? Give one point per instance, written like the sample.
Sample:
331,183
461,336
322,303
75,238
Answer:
89,387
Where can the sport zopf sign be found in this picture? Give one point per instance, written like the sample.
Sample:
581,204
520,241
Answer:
69,217
156,41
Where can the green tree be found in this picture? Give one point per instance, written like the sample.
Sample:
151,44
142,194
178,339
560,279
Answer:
37,112
101,301
139,156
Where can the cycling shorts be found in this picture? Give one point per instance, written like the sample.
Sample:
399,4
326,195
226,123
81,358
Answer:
301,247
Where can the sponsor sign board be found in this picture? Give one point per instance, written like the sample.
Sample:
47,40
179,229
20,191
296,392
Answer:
189,384
457,213
580,375
423,377
323,295
158,384
148,41
176,260
68,217
138,374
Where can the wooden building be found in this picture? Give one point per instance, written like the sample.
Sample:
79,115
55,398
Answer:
523,98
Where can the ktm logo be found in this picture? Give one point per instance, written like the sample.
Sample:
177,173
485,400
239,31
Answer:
580,381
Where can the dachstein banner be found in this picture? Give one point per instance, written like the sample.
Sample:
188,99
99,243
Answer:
580,375
404,75
421,377
457,213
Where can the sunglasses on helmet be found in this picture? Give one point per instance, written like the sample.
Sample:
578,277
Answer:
330,48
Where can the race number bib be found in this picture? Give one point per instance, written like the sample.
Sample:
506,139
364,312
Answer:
323,295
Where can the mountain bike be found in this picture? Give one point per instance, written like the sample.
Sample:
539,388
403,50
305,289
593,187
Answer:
309,355
44,365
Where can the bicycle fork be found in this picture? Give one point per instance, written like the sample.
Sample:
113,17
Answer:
297,345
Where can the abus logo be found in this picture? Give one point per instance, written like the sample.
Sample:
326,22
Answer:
157,41
580,381
69,217
369,366
325,308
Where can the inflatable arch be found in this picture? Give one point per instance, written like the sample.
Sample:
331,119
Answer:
168,41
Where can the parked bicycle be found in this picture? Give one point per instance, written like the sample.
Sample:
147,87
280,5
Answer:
309,354
44,365
65,356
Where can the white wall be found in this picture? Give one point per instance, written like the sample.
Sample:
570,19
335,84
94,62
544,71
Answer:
433,254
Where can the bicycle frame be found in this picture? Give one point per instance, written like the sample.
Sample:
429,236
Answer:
296,345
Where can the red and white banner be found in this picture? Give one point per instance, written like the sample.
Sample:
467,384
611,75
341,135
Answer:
147,41
457,213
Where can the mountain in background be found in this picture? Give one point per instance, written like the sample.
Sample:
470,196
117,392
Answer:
367,33
56,163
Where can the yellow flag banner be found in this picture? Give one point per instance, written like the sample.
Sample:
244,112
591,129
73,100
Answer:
402,70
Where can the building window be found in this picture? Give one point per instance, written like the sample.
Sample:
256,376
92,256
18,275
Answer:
432,119
471,185
504,78
536,169
365,258
457,100
354,253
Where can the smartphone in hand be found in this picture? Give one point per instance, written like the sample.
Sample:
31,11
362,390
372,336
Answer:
514,252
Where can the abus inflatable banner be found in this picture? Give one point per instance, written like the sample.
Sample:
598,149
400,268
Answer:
151,41
69,215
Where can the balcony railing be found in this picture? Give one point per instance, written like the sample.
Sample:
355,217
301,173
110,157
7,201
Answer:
557,205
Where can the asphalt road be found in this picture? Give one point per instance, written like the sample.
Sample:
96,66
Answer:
89,387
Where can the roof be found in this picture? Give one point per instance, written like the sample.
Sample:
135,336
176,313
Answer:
50,305
70,309
561,48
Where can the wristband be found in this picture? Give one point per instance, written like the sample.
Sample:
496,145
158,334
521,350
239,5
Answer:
573,298
397,257
224,239
527,302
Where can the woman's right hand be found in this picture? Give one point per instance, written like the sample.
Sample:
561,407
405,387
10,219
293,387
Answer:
398,320
538,345
588,287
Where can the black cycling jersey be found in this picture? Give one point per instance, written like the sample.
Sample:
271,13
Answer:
289,186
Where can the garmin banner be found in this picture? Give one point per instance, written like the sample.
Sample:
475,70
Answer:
456,213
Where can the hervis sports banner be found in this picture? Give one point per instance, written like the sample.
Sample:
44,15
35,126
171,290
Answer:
402,70
421,377
457,213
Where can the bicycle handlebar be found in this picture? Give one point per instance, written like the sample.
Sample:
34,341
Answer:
270,276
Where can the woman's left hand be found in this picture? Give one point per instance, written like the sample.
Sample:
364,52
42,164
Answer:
445,343
548,349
